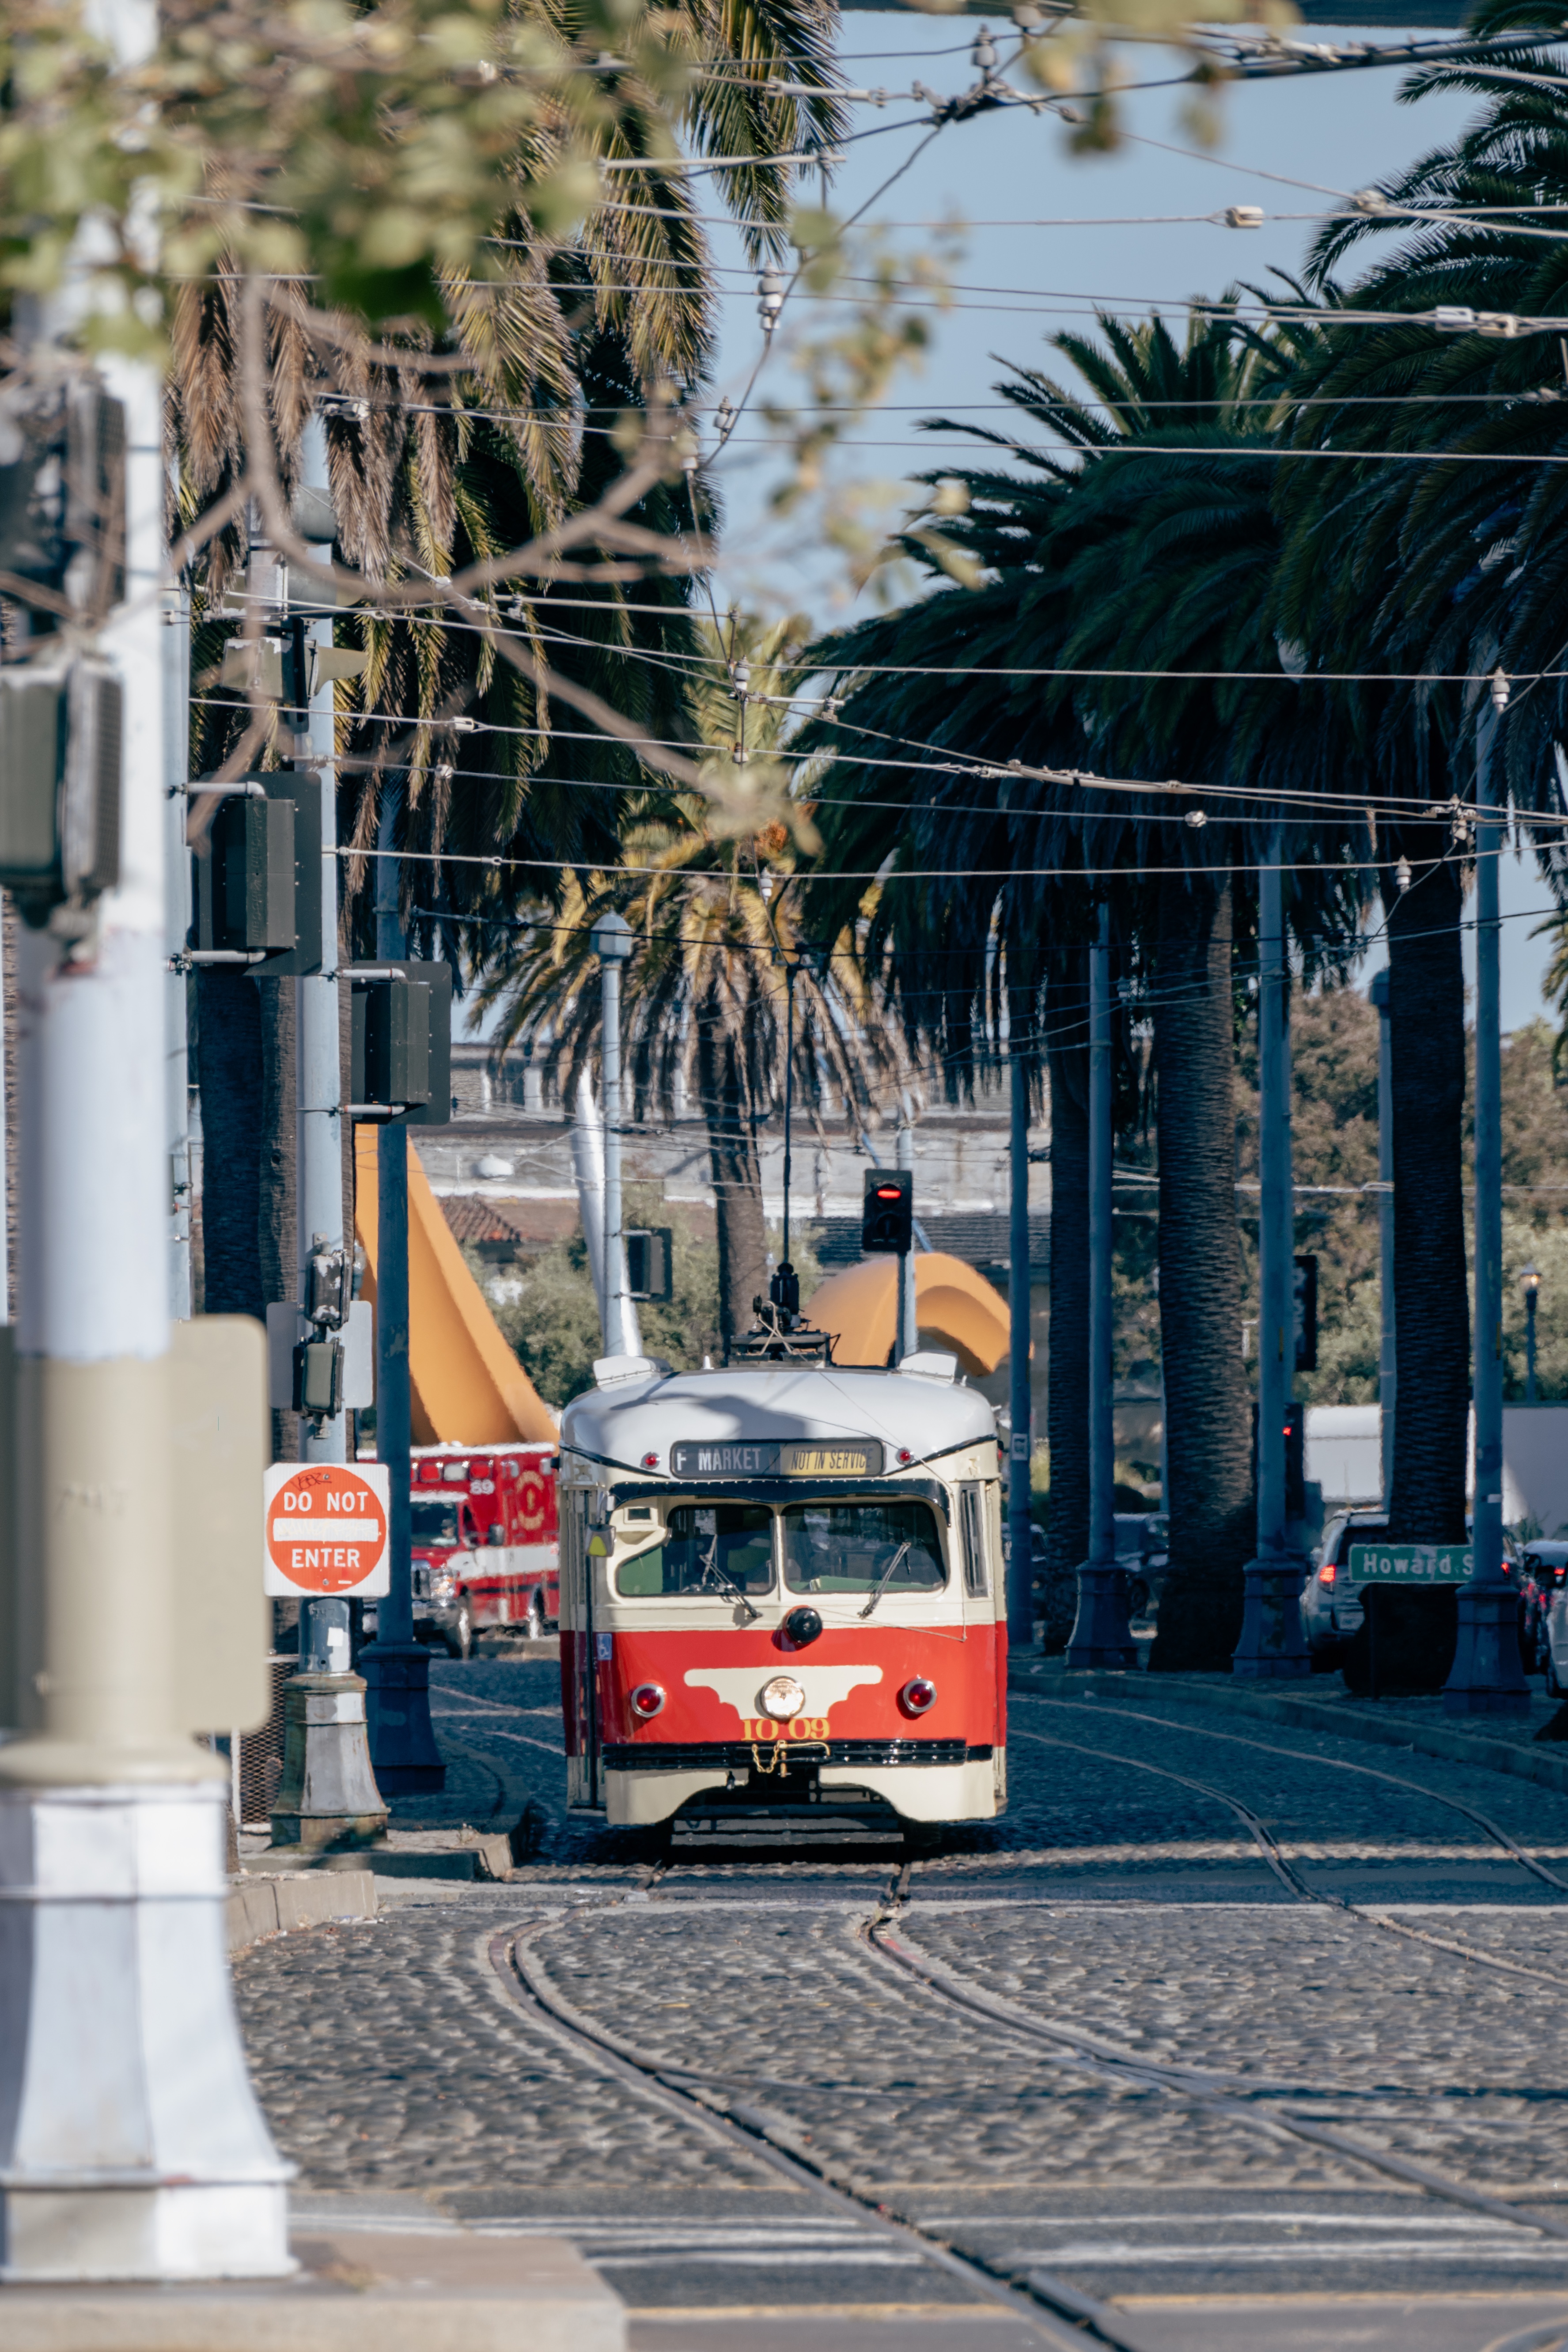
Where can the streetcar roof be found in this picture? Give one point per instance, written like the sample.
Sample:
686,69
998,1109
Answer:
781,1401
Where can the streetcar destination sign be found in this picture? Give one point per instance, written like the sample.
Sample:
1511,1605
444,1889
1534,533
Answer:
1411,1563
798,1457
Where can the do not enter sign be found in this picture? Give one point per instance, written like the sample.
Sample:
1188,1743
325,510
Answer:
326,1529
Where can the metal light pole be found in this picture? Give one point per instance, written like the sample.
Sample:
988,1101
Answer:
1020,1521
1529,1283
1272,1646
611,938
130,2145
327,1756
909,1311
1387,1356
396,1668
1100,1636
1487,1677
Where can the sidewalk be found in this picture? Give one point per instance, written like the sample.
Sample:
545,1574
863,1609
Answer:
1321,1703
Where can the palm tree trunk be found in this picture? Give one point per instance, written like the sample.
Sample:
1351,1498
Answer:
1208,1423
1067,1399
1426,1036
737,1178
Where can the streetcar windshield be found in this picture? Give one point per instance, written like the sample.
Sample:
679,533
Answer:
709,1549
852,1547
433,1523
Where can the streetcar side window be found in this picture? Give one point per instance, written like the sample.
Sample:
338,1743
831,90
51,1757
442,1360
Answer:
853,1547
972,1520
711,1549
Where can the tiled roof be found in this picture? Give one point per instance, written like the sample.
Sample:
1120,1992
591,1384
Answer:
474,1219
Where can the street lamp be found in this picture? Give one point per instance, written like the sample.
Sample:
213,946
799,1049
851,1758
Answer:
1529,1283
612,942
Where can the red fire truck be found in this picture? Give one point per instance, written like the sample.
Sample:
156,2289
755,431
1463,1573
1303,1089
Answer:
485,1541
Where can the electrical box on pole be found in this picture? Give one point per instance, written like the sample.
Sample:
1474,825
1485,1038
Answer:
258,874
649,1255
60,767
887,1214
402,1029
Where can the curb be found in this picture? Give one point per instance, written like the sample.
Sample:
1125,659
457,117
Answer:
1548,1770
259,1907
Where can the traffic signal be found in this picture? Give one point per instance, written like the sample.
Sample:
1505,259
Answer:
402,1040
257,890
887,1216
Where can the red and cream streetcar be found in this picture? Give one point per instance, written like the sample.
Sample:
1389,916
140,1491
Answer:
780,1590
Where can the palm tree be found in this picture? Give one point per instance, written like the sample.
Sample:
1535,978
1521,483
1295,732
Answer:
1450,567
1154,553
704,998
430,472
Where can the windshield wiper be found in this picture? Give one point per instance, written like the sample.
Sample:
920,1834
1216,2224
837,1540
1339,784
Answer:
891,1569
710,1567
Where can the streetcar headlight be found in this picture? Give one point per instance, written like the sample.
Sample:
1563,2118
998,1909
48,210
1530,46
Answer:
782,1698
918,1695
647,1700
443,1585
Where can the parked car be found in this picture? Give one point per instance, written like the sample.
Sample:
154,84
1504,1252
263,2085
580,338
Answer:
1142,1546
1544,1570
1331,1611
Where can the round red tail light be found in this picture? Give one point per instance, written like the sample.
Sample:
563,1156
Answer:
647,1699
918,1695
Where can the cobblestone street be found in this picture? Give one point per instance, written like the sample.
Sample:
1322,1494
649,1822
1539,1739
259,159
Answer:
1128,2119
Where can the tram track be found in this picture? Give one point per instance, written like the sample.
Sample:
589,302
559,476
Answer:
1268,1846
1057,2311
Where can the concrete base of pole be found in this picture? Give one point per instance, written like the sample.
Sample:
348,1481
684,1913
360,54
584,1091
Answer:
1100,1636
131,2145
328,1794
397,1702
373,2290
1272,1648
1487,1677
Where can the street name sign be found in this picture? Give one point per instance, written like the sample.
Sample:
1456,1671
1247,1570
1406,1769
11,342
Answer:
325,1530
1411,1563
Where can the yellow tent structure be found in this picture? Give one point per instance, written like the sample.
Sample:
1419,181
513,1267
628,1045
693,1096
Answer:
953,1303
466,1383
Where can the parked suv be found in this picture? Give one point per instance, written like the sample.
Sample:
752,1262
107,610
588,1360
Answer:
1332,1612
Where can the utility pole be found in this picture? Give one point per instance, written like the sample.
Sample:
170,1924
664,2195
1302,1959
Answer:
1387,1355
612,943
396,1668
1487,1677
1272,1646
908,1339
1101,1637
328,1792
1020,1520
130,2144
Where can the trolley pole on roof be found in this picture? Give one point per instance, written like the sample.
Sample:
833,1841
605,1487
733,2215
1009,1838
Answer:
1487,1679
1272,1646
1100,1636
1020,1521
909,1312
